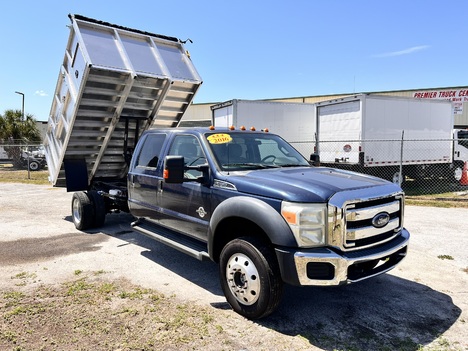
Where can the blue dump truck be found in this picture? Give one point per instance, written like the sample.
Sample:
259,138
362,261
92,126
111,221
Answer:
244,199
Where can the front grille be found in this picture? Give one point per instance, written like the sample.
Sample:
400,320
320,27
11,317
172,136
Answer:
357,226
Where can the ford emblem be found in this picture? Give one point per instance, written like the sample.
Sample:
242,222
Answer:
381,219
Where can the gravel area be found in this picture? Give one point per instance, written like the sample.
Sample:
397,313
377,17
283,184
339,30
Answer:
423,303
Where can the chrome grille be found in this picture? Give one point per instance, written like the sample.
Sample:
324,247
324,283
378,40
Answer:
351,224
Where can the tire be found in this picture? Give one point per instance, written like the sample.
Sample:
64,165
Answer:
99,207
250,277
457,171
34,166
395,178
82,211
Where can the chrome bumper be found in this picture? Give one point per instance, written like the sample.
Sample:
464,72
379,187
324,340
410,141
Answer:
349,267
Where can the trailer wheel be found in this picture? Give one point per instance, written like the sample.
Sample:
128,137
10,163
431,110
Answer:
99,208
250,277
457,170
82,211
396,179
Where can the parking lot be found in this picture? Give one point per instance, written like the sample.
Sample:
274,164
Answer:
424,301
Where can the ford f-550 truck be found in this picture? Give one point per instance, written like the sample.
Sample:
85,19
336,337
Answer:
245,199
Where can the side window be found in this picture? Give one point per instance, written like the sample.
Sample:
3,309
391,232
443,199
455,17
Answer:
189,147
150,152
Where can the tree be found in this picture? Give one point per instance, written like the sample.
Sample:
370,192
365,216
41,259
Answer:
14,132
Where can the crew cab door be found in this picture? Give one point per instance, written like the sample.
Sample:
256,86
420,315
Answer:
186,207
145,176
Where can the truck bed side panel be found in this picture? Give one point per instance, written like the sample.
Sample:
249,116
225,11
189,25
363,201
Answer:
114,84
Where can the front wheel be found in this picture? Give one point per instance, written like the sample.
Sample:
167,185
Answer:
250,277
34,166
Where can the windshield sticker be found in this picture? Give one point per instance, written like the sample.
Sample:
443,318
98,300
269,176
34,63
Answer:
220,138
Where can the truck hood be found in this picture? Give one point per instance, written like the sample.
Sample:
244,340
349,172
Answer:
304,184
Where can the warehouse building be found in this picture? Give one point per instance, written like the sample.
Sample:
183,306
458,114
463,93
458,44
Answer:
200,114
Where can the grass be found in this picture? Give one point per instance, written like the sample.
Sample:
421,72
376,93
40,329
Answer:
445,257
90,312
11,175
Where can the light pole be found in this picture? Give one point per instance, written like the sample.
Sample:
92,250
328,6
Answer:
22,106
22,119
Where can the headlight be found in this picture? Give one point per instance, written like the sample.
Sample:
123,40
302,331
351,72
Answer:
307,222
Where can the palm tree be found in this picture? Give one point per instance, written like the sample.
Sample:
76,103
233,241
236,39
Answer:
14,131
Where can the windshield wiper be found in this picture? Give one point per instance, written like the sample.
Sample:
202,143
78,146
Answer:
292,165
249,165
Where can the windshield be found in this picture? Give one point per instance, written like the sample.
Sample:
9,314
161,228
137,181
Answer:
235,151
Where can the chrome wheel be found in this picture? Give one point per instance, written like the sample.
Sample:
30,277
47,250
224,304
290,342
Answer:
76,211
243,279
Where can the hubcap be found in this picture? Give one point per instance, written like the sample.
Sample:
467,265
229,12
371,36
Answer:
243,279
76,211
457,173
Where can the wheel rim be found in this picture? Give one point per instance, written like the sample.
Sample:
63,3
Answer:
243,279
33,166
457,173
396,178
76,211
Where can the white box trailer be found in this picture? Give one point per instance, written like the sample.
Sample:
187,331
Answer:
114,83
295,122
366,132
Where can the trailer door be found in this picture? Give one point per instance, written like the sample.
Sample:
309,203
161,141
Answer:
339,132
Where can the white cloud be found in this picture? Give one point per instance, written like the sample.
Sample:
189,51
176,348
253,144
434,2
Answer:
408,51
40,93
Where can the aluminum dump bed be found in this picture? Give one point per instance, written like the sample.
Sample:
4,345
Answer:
114,83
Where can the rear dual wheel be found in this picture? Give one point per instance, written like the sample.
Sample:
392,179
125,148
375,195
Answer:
88,210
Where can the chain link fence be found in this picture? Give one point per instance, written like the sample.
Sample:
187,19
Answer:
421,167
18,155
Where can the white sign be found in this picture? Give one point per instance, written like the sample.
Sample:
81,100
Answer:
458,97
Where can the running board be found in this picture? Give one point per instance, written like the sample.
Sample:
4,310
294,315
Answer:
185,244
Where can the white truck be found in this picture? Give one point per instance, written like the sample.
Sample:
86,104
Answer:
391,136
295,122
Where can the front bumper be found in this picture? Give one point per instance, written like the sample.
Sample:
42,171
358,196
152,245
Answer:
325,267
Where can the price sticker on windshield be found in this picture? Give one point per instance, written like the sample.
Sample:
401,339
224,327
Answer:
219,138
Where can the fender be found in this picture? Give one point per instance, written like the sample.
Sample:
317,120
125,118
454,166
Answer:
257,211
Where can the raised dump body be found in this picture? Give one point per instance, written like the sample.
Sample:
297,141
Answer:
114,83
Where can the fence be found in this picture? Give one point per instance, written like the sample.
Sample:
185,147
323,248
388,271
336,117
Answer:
421,167
20,155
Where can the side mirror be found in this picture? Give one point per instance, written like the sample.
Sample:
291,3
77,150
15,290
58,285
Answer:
174,169
315,160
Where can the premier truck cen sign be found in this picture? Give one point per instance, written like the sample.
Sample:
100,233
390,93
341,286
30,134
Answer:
457,96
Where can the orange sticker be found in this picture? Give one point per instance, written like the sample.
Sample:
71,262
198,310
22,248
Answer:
220,138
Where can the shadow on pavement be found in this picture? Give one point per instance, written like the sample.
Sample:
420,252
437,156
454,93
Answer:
383,313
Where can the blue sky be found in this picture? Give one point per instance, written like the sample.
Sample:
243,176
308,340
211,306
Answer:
253,49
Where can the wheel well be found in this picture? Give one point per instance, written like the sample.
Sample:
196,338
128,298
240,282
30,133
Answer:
232,228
